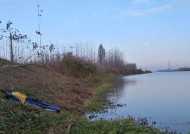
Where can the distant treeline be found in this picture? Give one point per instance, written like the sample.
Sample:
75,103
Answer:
173,70
183,69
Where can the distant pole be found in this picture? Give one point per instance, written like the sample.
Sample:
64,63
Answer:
39,29
11,48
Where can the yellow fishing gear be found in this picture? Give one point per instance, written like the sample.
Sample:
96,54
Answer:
20,96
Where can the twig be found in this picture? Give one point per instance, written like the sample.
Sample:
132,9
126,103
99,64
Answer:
68,129
70,124
14,66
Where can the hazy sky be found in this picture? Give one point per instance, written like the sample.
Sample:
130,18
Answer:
148,32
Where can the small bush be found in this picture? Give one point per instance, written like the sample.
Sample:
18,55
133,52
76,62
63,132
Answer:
77,67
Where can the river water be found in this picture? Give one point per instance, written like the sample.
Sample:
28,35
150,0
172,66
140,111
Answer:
163,97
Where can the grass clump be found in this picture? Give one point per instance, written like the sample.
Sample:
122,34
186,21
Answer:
100,99
123,126
17,118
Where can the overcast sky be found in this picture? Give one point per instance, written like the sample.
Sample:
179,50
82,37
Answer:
148,32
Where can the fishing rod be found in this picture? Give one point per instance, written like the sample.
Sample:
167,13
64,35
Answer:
19,97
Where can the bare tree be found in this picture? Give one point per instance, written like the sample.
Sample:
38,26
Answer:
114,61
13,35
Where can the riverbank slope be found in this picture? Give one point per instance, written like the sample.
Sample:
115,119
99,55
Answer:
75,96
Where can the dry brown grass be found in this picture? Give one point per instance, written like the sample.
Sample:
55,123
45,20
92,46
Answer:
67,92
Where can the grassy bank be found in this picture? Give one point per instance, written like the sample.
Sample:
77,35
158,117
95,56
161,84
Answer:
23,119
17,118
74,95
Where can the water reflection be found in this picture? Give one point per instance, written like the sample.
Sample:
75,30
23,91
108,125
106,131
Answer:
121,86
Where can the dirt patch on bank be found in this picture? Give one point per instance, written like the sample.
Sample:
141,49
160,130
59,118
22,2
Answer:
42,82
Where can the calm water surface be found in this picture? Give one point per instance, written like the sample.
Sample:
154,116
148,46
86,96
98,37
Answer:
163,97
